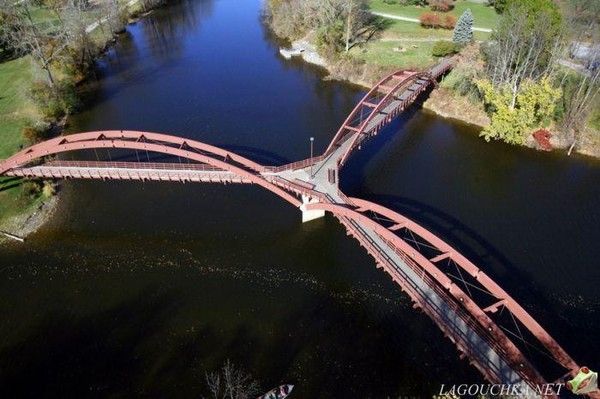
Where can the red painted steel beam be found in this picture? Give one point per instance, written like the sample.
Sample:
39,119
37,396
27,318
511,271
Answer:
407,78
114,139
134,135
512,354
355,111
448,251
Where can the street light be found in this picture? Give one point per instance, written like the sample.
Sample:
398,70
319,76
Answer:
312,140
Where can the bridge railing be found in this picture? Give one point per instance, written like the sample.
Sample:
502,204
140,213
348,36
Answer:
436,313
132,165
304,163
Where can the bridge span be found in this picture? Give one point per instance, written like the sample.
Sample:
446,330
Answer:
440,281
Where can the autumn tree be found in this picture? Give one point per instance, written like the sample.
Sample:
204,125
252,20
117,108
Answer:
525,45
45,46
338,25
513,118
81,48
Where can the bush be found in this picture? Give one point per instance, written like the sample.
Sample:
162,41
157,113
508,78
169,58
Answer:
54,102
443,48
35,134
30,190
430,20
449,22
441,5
390,1
435,21
499,5
48,190
420,3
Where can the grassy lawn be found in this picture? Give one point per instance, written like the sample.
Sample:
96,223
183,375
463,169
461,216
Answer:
415,55
12,203
485,16
405,29
15,109
416,40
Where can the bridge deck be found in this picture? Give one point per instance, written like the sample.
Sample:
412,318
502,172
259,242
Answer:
129,171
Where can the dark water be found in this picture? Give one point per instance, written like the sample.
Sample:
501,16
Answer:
138,289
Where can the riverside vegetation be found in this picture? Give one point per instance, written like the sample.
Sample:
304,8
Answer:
47,48
519,66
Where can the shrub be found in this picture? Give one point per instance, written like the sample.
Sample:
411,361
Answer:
449,22
48,190
443,48
35,134
390,1
420,3
499,5
430,20
54,102
434,20
441,5
30,190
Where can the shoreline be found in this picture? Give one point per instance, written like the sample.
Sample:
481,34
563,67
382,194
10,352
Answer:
441,102
29,221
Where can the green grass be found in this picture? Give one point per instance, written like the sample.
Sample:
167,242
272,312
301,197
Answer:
416,55
15,109
485,16
12,203
411,30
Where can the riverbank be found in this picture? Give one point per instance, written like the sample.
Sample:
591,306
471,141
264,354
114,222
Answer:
26,223
442,101
22,214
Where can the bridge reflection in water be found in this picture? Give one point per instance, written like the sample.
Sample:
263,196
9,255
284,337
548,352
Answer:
458,296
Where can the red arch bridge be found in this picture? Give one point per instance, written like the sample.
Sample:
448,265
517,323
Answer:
440,281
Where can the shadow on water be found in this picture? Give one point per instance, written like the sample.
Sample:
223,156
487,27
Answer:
517,282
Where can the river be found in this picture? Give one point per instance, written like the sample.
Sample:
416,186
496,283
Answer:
138,289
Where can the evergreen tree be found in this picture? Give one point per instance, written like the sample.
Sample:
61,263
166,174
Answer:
463,31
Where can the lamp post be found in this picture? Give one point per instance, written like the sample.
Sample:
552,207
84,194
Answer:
312,140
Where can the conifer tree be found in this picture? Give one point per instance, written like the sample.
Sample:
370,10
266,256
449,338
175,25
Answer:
463,31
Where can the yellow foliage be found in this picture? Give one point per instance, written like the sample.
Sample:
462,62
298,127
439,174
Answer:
515,115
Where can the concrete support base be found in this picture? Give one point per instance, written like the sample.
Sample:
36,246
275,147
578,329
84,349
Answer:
307,216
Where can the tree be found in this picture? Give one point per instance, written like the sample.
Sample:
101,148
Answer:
581,90
80,47
26,37
231,383
338,24
513,120
525,45
463,31
580,94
